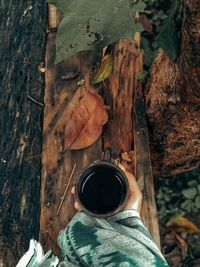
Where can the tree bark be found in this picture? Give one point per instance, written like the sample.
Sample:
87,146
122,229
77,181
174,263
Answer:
173,101
22,35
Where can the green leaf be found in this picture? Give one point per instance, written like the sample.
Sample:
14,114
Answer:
168,38
105,69
187,205
190,193
137,5
149,51
198,187
64,8
162,15
197,202
88,25
192,183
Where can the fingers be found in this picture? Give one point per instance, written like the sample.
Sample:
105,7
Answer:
73,190
121,167
76,204
128,173
135,195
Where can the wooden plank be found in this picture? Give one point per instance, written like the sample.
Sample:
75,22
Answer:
60,96
22,35
142,155
119,95
57,164
124,134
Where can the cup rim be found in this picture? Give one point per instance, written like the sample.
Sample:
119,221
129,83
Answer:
121,206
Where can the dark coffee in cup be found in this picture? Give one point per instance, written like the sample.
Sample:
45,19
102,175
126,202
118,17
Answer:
102,189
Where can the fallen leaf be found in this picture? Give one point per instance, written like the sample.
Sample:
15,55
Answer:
87,25
105,69
128,158
125,156
85,123
181,224
174,258
182,244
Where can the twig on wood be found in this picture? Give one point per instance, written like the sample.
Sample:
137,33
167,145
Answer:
32,145
35,101
66,188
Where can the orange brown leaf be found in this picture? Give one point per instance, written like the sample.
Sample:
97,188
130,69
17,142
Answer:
181,224
86,121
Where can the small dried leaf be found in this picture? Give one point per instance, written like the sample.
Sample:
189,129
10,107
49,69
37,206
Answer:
85,123
181,224
182,245
125,156
105,69
128,159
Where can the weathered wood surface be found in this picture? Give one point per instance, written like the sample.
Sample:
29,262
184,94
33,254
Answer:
125,132
118,93
173,101
22,35
60,96
142,156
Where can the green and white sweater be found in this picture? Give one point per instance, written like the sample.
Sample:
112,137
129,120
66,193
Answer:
121,240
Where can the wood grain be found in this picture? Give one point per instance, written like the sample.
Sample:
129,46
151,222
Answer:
60,96
119,96
142,154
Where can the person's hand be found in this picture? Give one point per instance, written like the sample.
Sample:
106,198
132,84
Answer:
76,204
135,195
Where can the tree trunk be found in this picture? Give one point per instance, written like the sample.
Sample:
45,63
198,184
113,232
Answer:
173,101
22,35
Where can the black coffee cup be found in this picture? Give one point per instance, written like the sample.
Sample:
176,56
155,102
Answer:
102,188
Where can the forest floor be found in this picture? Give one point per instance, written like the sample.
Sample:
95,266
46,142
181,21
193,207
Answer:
178,201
